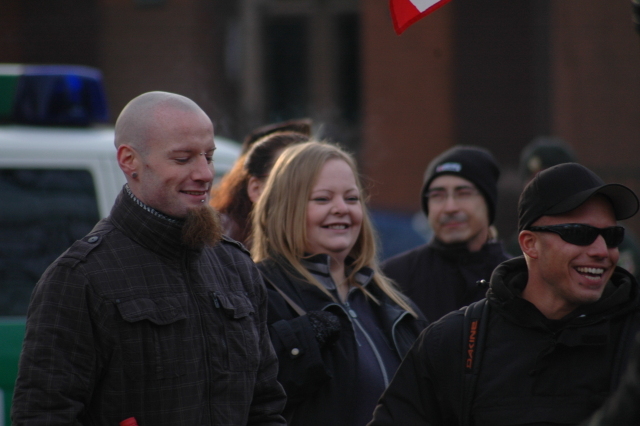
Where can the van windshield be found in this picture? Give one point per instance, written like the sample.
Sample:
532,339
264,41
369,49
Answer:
42,212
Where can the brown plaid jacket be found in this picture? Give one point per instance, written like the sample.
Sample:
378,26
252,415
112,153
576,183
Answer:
128,322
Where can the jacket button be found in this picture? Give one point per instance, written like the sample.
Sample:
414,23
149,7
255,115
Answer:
295,351
93,239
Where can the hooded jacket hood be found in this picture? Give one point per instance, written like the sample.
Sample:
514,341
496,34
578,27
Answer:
509,279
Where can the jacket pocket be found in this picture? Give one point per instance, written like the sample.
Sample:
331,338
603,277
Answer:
241,330
153,334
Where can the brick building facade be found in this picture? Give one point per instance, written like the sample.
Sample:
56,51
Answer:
485,72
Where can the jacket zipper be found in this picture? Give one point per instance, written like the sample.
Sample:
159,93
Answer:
383,370
353,318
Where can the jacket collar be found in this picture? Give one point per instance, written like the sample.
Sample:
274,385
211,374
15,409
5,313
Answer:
510,278
319,266
147,226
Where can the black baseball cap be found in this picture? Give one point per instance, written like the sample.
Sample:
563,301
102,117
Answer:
562,188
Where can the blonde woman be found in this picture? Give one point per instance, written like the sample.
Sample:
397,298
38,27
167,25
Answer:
339,327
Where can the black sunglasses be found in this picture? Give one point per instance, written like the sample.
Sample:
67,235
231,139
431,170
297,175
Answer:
580,234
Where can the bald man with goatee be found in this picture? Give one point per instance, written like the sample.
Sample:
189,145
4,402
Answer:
154,314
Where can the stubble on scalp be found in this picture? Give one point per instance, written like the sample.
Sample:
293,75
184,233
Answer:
202,227
144,115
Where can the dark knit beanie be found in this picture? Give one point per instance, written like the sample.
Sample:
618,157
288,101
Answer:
544,152
472,163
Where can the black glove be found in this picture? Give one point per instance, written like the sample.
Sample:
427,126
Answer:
326,325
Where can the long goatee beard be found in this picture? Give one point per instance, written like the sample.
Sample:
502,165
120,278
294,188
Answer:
201,228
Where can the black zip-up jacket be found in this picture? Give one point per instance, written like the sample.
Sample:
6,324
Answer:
130,323
534,371
441,278
321,383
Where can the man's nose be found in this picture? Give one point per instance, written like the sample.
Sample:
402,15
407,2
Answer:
599,248
451,203
203,170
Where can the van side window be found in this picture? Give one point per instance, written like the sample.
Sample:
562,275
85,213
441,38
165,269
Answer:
42,212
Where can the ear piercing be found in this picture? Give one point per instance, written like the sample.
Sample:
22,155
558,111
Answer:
134,175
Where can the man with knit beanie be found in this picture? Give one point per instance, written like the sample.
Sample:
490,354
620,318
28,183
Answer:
459,199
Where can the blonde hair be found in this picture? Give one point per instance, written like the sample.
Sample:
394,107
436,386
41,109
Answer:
279,217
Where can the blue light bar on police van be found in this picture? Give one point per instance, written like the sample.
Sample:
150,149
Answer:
52,95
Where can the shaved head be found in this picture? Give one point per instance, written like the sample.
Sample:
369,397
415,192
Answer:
165,146
144,114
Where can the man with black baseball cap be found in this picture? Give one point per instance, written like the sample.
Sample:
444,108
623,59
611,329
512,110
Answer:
550,341
547,151
459,198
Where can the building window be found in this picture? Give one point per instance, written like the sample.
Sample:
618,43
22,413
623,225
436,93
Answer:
286,70
301,59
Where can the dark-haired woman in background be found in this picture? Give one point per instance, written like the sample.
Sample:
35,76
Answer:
240,188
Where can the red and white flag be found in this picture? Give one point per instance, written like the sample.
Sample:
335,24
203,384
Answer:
406,12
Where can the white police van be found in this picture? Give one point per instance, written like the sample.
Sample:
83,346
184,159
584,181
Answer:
58,177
